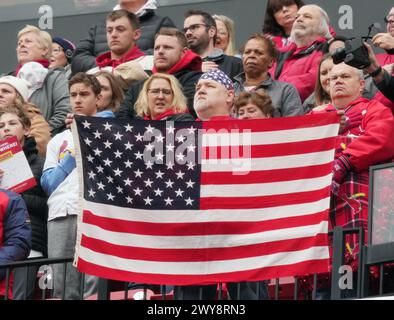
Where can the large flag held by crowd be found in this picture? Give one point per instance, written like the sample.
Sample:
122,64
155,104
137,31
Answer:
204,202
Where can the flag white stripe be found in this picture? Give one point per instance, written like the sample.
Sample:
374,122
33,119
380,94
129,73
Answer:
265,189
268,163
269,137
211,215
201,241
209,267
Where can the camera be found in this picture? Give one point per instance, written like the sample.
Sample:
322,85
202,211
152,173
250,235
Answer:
354,53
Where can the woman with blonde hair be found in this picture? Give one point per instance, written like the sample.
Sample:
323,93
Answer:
48,87
161,98
225,37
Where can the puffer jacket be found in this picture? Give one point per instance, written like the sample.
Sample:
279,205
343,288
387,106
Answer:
15,232
96,42
36,199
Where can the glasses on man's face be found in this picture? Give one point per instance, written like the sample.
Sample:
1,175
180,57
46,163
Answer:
194,27
157,91
389,19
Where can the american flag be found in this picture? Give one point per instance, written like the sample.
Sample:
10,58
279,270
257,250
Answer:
204,202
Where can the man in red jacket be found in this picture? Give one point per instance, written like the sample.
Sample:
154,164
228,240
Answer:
366,139
299,65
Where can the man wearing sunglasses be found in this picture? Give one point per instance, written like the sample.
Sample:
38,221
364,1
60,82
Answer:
200,30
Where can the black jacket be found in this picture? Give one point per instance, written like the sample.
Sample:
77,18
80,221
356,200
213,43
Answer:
386,86
232,66
36,199
96,43
187,78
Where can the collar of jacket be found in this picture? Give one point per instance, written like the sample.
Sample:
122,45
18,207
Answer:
241,78
104,60
331,107
308,49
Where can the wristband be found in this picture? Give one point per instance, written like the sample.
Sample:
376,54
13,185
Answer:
376,72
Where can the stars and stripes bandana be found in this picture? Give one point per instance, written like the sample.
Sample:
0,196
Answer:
218,76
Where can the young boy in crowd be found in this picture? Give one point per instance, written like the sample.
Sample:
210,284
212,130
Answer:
60,182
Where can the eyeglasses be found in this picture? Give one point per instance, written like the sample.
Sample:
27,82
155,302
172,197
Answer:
57,50
194,27
157,91
389,19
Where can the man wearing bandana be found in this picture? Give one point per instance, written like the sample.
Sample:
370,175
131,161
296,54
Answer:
213,101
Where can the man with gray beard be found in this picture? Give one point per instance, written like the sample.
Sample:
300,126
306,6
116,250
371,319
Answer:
299,65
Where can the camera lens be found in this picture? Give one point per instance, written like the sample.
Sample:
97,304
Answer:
339,55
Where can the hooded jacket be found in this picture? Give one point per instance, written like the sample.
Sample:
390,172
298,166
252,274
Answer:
96,42
187,71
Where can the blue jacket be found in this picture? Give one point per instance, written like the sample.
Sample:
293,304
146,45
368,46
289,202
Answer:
15,231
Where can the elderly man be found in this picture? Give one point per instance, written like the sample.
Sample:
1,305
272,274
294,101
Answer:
214,100
258,56
299,65
365,139
96,42
122,33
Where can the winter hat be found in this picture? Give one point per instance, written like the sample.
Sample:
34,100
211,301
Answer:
67,45
20,85
218,76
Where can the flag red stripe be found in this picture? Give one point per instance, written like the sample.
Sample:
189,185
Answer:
201,228
275,124
268,150
266,176
306,267
264,201
211,254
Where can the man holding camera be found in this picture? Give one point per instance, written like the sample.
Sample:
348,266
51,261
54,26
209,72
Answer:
385,41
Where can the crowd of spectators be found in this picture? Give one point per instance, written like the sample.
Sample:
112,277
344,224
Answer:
135,64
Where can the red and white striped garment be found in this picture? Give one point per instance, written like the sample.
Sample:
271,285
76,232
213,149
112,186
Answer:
248,213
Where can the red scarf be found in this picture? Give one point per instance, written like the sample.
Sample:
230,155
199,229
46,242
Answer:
44,62
104,60
190,61
165,114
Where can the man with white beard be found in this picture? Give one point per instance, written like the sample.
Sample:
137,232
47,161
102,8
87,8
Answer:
299,65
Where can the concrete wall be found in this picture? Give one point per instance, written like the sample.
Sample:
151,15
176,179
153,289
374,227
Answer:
248,16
